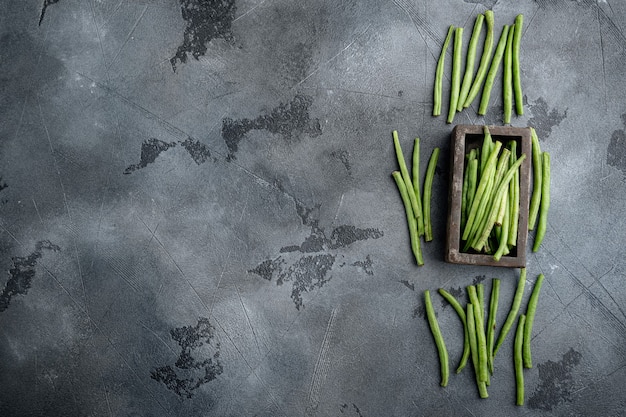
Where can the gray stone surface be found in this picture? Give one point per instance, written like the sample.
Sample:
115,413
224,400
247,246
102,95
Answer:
197,215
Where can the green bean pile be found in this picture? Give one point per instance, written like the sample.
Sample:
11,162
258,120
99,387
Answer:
540,198
466,82
479,331
416,206
491,197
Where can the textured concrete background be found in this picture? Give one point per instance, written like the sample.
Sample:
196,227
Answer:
197,216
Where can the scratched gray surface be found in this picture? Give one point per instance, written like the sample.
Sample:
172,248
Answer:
197,216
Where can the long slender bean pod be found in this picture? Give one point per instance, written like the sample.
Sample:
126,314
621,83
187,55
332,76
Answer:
542,222
491,321
464,193
456,73
439,74
480,293
471,185
469,62
514,187
410,218
428,189
517,83
518,361
415,170
515,305
504,206
439,342
493,71
486,148
461,313
535,198
471,330
531,309
504,235
483,372
405,175
507,77
484,61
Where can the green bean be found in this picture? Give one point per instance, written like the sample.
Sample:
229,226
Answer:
542,223
461,313
439,342
507,77
471,331
456,73
491,322
483,374
493,71
535,199
504,206
510,318
485,151
514,188
531,309
464,192
482,184
410,217
484,61
502,242
469,62
471,183
428,188
517,84
439,74
405,175
480,293
517,360
416,184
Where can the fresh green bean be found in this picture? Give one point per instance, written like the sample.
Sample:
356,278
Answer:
471,330
542,222
456,73
517,360
517,84
535,199
504,206
428,188
439,342
416,184
439,74
493,71
487,147
504,235
507,77
410,217
471,186
461,313
480,293
464,192
469,62
484,60
514,188
483,372
531,309
491,322
510,318
405,175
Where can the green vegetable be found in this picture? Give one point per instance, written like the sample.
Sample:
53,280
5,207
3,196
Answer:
537,180
410,217
505,233
491,323
514,190
531,309
416,184
469,62
517,359
439,74
484,60
507,92
471,187
456,73
510,318
471,329
439,342
428,187
517,84
493,71
461,313
542,223
405,176
483,374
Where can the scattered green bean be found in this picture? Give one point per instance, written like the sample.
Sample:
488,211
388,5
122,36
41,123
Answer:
517,360
461,313
471,330
469,62
515,305
493,71
415,170
483,374
517,84
535,199
484,60
542,222
507,77
428,187
491,322
456,73
531,309
410,217
439,74
405,175
439,342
